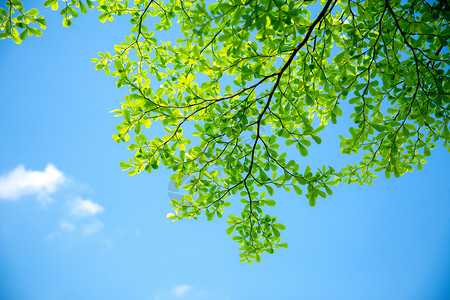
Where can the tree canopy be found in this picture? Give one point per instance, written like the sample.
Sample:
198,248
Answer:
248,75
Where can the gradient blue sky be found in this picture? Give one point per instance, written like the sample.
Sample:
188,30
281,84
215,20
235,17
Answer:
97,233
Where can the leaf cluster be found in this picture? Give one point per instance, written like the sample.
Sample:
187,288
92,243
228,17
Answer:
274,71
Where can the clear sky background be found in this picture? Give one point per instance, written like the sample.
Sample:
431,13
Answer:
73,226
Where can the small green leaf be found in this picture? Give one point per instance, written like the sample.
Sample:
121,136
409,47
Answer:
16,39
198,127
298,190
32,12
290,142
173,216
48,3
269,189
102,18
83,8
126,115
41,22
269,202
90,4
23,34
387,174
275,232
124,165
67,22
279,226
303,150
317,139
230,229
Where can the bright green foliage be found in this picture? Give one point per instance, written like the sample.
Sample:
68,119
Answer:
69,9
272,70
17,23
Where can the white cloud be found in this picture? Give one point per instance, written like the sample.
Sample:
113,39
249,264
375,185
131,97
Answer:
181,290
51,236
93,227
84,208
107,243
21,182
66,226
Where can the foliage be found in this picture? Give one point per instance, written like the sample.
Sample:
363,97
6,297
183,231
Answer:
269,69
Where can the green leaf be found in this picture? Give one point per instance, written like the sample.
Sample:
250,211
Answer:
124,164
35,31
173,216
297,189
317,139
269,250
32,12
16,39
290,142
387,174
126,115
90,4
269,202
198,127
275,232
83,8
48,3
303,150
67,22
102,18
279,226
269,189
329,191
41,23
230,229
23,34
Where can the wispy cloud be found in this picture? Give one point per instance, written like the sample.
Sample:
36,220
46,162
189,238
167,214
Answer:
51,236
21,182
181,290
92,228
80,215
66,226
84,208
80,212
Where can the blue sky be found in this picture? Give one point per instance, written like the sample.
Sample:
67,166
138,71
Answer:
73,226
